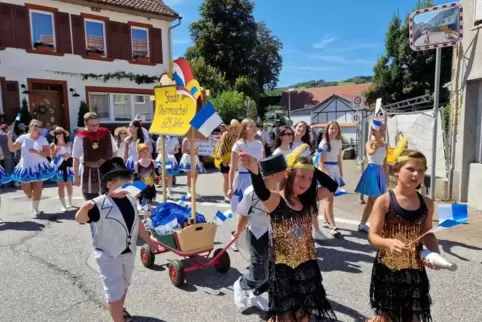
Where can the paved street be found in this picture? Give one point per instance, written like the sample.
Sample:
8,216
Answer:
45,275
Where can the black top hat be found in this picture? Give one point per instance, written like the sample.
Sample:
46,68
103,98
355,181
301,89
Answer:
273,164
110,169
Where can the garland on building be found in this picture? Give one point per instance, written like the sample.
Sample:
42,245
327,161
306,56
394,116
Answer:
138,79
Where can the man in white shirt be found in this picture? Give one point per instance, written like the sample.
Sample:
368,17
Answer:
92,146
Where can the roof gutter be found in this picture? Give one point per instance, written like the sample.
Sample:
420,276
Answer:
179,19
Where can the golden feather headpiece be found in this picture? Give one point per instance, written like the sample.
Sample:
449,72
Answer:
292,160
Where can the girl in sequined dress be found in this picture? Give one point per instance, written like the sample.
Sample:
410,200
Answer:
145,168
296,293
399,290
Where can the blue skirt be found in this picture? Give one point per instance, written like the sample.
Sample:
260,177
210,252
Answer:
172,168
37,172
130,162
68,176
4,176
373,182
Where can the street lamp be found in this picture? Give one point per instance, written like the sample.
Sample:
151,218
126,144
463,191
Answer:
289,102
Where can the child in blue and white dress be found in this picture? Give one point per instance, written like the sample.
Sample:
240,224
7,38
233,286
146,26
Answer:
373,182
61,155
171,147
33,167
330,163
136,136
185,164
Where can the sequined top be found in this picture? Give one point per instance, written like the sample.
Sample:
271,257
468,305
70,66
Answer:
406,226
292,238
147,174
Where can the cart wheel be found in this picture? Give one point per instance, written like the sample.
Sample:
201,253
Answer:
147,257
176,273
224,262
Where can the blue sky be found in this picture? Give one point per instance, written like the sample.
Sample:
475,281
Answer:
330,40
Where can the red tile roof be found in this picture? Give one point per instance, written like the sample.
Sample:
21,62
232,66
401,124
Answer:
149,6
309,97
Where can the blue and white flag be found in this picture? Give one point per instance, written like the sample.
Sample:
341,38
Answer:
340,192
17,118
58,161
221,217
451,216
318,153
376,125
133,188
206,120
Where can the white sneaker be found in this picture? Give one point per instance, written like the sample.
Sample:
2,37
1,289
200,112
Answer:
363,227
335,232
240,297
63,209
326,225
258,301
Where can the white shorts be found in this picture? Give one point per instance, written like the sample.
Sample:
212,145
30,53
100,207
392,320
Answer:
115,273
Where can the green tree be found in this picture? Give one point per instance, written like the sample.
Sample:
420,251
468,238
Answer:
402,73
267,60
25,116
83,108
209,77
229,105
225,36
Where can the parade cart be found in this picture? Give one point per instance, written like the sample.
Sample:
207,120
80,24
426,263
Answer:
177,101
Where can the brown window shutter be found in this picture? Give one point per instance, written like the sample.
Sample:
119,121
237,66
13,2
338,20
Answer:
6,25
12,101
156,45
62,31
23,39
126,41
78,38
114,45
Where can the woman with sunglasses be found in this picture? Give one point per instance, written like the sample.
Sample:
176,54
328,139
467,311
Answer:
33,168
120,135
61,155
283,141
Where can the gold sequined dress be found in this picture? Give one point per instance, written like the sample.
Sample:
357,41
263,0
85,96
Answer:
400,287
295,282
148,176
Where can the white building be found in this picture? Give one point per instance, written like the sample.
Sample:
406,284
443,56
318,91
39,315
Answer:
108,53
465,172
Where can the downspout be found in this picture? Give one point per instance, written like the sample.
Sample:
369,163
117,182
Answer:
454,108
170,37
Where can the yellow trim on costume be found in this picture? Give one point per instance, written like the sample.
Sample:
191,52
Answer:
406,158
292,161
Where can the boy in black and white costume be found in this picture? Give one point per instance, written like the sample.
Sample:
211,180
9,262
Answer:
252,214
115,226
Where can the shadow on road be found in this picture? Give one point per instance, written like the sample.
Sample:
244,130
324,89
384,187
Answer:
137,318
447,246
58,217
212,280
21,225
340,308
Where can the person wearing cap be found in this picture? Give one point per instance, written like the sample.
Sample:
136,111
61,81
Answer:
61,156
92,146
373,182
115,228
253,216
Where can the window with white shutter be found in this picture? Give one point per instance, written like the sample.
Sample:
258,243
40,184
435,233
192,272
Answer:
477,12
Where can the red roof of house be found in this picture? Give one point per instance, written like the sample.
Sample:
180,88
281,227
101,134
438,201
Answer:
149,6
309,97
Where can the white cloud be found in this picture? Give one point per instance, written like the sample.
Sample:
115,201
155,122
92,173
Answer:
324,42
352,48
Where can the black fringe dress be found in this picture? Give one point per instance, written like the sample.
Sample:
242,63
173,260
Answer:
400,287
295,282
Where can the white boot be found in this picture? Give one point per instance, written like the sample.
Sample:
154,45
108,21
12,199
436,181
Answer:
240,297
69,203
64,207
35,206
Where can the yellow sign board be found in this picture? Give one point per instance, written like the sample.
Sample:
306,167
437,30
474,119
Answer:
175,108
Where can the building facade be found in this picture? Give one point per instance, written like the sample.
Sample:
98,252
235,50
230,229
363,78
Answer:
465,172
57,53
